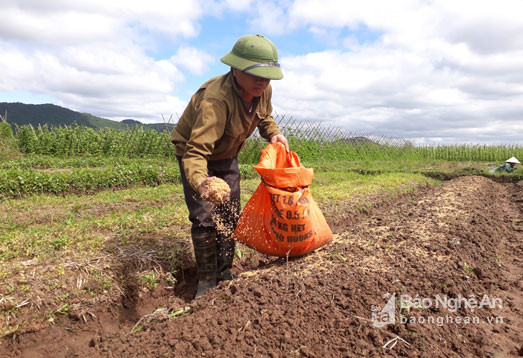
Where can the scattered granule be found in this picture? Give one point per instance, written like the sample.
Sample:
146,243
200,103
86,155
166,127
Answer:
224,216
221,189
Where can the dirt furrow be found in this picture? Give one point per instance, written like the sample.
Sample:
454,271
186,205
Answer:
456,243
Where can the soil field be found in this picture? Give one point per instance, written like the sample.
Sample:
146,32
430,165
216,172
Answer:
457,248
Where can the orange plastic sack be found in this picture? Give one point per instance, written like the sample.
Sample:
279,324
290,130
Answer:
282,218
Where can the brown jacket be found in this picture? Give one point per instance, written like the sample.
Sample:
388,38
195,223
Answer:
216,124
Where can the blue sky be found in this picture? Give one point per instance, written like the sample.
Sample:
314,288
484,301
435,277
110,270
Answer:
429,71
218,33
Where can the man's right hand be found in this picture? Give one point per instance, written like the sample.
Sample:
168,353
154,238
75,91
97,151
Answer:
214,190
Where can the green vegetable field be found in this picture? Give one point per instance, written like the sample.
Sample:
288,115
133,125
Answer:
94,234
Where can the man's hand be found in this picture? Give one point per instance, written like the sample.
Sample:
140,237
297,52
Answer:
281,139
214,190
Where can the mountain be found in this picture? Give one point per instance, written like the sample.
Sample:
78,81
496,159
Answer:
132,122
55,116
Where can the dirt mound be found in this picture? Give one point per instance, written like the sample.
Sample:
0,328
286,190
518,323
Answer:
456,242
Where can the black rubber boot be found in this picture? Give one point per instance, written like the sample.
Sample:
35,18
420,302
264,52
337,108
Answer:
205,255
225,246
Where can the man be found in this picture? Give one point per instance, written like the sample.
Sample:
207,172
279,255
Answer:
509,166
221,115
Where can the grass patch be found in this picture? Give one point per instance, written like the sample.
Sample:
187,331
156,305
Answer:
336,187
60,255
71,251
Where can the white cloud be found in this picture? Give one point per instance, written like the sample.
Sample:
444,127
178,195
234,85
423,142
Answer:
69,22
192,59
91,55
437,68
64,27
440,68
90,79
402,94
271,17
20,68
239,5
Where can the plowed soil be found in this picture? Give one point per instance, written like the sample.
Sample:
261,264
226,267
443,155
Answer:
460,240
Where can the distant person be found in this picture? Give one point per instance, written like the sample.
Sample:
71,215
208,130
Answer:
509,166
220,116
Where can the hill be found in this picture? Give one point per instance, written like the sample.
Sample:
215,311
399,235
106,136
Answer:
55,116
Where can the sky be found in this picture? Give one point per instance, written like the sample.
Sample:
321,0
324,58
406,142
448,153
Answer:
431,71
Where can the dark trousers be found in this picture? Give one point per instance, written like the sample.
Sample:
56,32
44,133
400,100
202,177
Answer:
206,217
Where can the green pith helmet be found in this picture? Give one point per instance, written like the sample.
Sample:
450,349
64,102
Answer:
256,55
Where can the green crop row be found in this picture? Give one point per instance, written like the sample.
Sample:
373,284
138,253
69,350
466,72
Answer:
21,182
40,161
80,140
8,148
317,151
313,145
488,153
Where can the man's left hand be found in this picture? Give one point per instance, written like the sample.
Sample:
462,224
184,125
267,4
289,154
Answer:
280,138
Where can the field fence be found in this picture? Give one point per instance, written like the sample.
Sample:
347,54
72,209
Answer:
316,131
313,141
